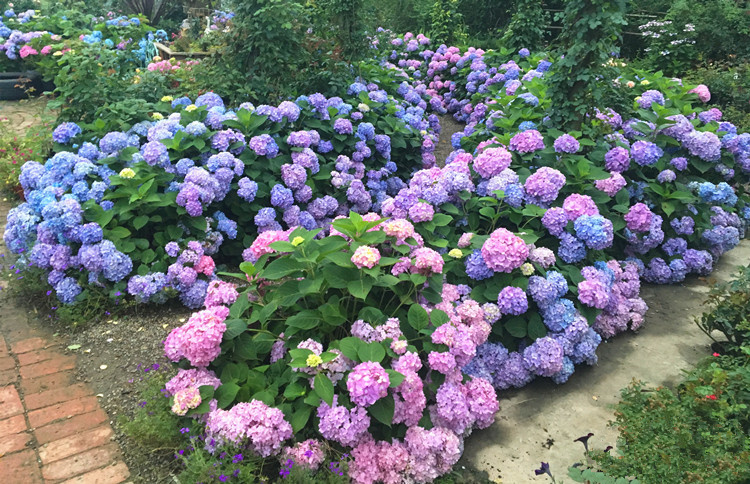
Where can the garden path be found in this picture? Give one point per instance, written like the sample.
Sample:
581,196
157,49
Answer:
19,116
52,428
540,421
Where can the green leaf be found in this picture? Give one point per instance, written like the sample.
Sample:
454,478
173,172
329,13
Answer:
294,390
299,418
395,378
371,352
225,394
349,346
117,233
323,388
438,317
382,410
248,268
281,267
516,327
341,259
360,288
140,221
536,327
304,319
235,327
206,392
418,317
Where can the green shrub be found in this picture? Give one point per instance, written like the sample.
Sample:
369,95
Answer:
697,433
729,311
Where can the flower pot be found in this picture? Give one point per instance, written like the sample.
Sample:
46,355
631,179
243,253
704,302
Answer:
14,85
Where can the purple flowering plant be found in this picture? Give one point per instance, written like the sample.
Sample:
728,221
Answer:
338,334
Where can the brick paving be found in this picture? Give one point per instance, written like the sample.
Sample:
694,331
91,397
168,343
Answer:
52,429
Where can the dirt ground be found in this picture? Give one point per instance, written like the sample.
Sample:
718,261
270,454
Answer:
540,421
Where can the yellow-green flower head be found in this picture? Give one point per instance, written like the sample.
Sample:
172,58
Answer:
527,269
167,99
157,116
297,241
645,82
455,253
127,173
314,360
190,108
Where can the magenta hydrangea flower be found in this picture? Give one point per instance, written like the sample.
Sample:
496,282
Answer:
255,424
199,339
504,251
492,161
611,185
307,454
220,293
194,377
338,423
639,218
576,205
427,261
527,141
702,91
367,383
617,159
543,186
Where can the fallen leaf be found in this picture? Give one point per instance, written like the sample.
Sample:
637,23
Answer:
74,347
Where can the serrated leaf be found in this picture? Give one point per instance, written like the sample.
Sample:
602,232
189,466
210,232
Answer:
382,410
418,317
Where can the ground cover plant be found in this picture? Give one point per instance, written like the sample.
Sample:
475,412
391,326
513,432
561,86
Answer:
383,297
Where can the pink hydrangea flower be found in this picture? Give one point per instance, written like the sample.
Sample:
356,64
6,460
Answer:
366,256
367,383
427,261
186,399
504,251
492,161
576,205
26,51
527,141
702,91
46,50
400,228
194,377
261,245
307,454
220,293
199,339
639,218
254,423
465,240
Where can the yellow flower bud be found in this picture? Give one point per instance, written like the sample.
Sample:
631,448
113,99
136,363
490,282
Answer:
456,253
157,116
527,269
167,99
314,360
645,82
127,173
297,240
190,108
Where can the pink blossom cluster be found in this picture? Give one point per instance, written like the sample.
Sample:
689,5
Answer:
504,251
262,428
367,383
366,256
220,293
261,245
167,65
192,378
527,141
199,339
186,399
307,454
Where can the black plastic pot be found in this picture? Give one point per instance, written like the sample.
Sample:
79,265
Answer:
13,85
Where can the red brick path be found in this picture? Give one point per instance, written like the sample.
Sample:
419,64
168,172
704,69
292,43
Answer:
52,430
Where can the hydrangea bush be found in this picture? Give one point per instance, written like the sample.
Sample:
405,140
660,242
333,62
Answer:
207,174
353,339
